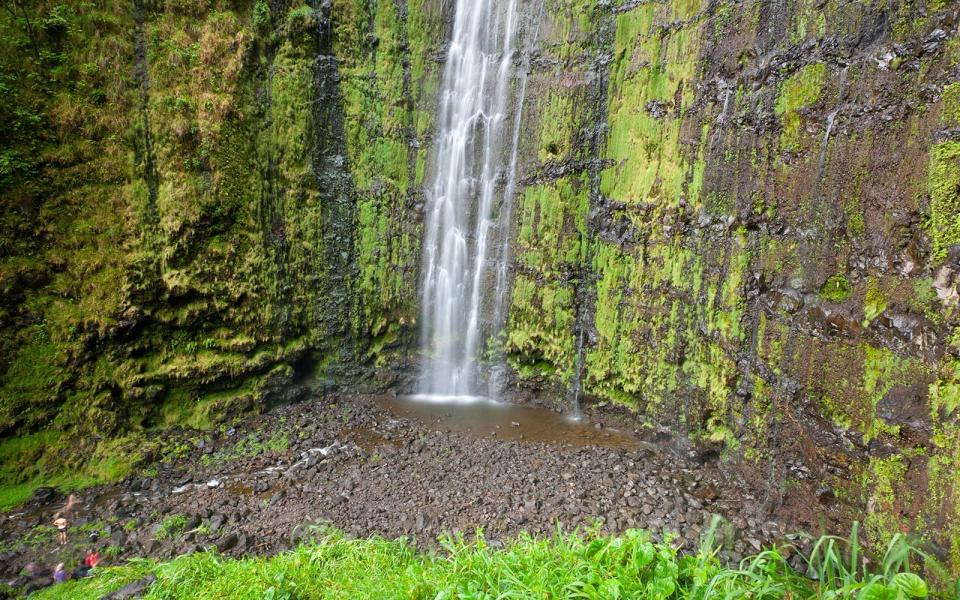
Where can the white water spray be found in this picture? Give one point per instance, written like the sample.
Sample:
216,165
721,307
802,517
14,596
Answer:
473,172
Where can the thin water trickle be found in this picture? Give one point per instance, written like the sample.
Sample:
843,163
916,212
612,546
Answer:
470,195
574,410
831,121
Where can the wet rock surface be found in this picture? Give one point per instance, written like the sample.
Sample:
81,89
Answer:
133,590
353,463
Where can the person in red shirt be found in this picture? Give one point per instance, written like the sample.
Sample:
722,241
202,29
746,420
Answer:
90,560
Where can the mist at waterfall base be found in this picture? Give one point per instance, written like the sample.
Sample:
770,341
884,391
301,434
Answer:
473,172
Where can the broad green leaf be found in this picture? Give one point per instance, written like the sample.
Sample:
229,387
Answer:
879,591
643,555
910,584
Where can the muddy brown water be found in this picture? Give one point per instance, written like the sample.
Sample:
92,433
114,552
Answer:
486,418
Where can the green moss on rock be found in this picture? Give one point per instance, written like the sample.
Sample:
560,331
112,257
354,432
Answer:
835,289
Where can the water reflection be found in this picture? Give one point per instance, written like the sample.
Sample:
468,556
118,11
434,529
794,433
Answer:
481,416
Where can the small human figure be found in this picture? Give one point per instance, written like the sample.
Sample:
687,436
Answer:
67,509
81,571
61,523
60,574
92,558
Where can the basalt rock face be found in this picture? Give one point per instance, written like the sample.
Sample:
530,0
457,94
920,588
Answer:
739,219
206,204
743,215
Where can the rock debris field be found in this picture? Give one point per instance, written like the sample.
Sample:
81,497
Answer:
353,463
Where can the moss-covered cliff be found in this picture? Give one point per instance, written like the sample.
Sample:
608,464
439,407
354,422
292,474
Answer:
737,218
204,205
747,213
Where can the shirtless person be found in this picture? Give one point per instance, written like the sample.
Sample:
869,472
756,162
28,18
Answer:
60,519
67,509
61,524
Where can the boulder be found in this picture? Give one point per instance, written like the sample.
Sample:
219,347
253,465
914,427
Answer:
228,542
132,590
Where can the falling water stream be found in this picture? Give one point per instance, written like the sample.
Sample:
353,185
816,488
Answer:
469,197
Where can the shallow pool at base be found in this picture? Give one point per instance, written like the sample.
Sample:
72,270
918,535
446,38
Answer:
482,416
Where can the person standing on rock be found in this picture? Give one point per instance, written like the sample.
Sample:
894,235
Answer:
67,509
60,522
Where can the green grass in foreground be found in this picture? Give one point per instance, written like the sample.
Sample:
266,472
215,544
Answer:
573,565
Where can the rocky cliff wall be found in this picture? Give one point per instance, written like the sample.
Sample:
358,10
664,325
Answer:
205,206
744,214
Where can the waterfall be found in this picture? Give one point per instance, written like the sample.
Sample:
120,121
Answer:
473,170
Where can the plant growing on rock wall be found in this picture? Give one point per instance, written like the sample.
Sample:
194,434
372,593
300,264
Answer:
261,15
835,289
171,527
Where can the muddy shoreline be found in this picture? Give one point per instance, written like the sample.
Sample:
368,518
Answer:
370,467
